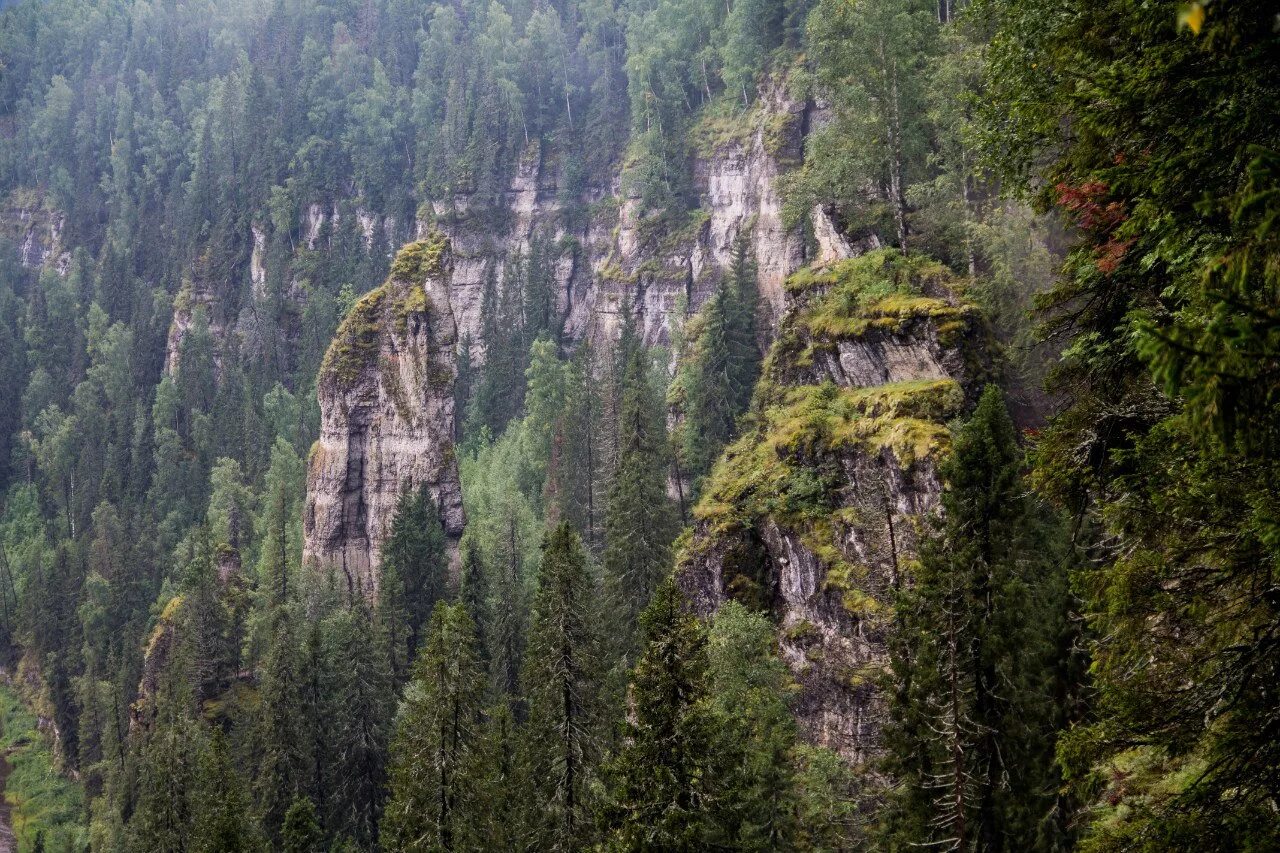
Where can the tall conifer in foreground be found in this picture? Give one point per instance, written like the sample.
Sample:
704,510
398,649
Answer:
656,783
433,784
562,688
972,728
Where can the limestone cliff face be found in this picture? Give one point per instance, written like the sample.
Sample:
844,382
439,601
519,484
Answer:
815,513
386,402
35,230
616,254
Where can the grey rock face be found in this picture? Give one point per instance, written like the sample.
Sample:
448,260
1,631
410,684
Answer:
611,257
816,515
386,401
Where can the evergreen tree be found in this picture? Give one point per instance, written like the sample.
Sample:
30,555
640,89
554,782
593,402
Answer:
473,595
283,768
573,475
414,556
639,524
433,783
222,823
359,728
656,783
758,792
301,832
722,368
972,734
562,687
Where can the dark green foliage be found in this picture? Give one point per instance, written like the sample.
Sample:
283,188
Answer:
720,371
1167,444
301,832
473,595
656,784
414,561
434,785
639,523
284,760
974,662
562,681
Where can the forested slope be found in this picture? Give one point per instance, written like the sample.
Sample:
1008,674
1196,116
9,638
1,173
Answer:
361,363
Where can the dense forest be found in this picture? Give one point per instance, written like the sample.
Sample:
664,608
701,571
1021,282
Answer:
828,425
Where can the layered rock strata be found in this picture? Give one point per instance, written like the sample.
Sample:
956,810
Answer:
814,515
387,419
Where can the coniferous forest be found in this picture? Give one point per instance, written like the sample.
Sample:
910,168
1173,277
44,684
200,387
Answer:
639,425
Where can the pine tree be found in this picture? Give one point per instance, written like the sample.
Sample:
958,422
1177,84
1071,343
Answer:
656,783
433,786
562,686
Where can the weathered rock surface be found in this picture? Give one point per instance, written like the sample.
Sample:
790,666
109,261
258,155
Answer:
35,229
386,402
815,514
615,254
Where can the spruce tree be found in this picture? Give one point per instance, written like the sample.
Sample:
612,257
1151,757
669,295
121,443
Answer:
757,789
473,595
639,523
223,822
723,367
655,785
414,556
433,784
283,765
360,702
562,687
301,832
974,655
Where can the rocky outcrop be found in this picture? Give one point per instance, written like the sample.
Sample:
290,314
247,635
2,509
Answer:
617,251
386,403
35,229
814,515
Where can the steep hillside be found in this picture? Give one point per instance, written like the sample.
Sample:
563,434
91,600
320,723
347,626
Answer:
813,514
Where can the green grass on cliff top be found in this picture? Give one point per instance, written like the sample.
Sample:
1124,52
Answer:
786,467
355,345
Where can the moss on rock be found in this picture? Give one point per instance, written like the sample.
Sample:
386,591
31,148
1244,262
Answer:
422,259
356,343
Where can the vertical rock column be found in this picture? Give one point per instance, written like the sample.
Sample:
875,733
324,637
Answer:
386,419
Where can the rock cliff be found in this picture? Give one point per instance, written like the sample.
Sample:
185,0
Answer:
815,512
35,230
386,401
616,252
